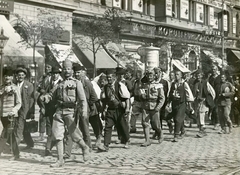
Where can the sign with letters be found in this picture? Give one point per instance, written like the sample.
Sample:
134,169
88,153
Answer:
137,5
184,9
168,7
211,16
234,25
199,13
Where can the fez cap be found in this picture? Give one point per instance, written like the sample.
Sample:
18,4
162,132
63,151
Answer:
8,71
67,63
21,68
56,70
120,70
78,67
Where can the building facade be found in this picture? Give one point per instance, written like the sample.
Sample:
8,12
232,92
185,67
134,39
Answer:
186,30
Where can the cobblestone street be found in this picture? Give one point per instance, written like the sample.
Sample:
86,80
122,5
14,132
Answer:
212,155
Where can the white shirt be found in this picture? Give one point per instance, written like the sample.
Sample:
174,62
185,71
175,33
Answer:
20,84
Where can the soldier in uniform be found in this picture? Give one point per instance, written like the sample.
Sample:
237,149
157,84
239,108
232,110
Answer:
152,96
180,96
224,94
115,109
10,100
69,96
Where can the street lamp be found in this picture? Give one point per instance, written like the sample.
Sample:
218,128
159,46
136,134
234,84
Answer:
3,41
222,34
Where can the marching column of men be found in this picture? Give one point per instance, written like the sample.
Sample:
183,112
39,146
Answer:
69,101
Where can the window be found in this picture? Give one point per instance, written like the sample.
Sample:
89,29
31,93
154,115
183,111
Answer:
175,8
146,7
103,2
190,61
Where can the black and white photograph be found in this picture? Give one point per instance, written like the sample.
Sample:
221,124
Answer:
119,87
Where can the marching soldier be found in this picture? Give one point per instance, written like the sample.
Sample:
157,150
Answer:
10,100
152,95
69,96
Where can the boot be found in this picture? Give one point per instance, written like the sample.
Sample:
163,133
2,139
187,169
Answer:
85,150
41,137
60,161
176,137
160,137
48,146
170,126
98,141
147,137
230,127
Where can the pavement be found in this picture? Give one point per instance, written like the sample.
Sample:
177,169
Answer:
214,154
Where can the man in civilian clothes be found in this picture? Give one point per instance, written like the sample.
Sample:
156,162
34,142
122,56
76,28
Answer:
43,87
225,92
181,97
115,109
27,109
236,102
10,103
215,81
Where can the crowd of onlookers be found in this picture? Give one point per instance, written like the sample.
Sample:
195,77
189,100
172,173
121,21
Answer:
69,102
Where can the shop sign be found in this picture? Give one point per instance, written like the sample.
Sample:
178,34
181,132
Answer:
211,16
199,13
225,23
180,34
184,9
137,5
117,3
168,7
142,29
214,3
234,25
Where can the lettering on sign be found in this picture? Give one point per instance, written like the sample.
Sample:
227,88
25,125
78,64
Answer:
214,3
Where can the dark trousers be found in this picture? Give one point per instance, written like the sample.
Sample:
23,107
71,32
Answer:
96,125
22,132
178,114
50,141
214,115
115,117
235,112
9,136
84,127
42,123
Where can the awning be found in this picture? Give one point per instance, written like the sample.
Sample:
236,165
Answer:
235,58
215,58
180,66
103,60
14,47
61,53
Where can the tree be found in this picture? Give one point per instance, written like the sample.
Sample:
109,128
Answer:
46,28
91,33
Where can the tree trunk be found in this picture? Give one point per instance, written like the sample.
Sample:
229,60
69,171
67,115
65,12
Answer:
94,65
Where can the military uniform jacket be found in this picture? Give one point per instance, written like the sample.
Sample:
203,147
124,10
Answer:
152,95
11,101
69,95
226,91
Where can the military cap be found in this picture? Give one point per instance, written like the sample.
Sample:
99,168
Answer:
21,68
67,63
120,70
199,71
150,71
56,70
157,69
8,71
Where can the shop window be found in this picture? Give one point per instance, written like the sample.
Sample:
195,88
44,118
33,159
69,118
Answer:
190,61
175,8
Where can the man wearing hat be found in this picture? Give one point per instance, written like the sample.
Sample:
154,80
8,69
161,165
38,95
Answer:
115,109
43,87
204,99
152,96
69,97
180,96
236,102
27,109
93,117
49,104
10,103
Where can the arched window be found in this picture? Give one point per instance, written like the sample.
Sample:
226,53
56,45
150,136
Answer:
191,60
